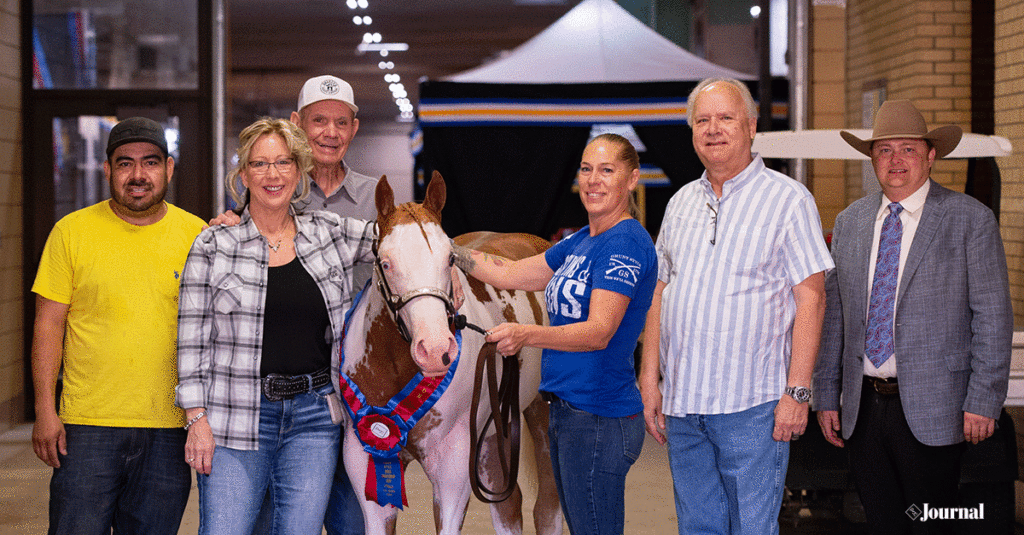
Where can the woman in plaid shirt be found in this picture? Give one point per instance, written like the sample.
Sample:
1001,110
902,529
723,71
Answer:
260,318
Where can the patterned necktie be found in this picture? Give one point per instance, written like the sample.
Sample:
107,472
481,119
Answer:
880,345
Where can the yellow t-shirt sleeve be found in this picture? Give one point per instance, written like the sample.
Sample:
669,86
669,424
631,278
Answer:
55,278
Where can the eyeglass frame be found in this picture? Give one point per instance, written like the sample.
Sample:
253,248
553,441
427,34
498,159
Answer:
263,168
714,222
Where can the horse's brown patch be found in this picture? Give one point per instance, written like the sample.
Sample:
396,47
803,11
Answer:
509,313
479,290
387,365
423,428
535,306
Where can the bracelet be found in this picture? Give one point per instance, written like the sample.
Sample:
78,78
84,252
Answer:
195,419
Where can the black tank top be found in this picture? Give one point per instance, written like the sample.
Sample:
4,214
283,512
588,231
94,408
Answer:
296,328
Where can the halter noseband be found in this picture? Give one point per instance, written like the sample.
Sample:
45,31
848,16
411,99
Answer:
397,302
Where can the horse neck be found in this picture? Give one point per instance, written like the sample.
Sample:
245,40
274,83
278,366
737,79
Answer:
384,366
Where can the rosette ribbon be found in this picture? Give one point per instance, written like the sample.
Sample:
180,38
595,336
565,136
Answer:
384,431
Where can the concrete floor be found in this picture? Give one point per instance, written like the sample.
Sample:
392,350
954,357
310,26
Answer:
24,494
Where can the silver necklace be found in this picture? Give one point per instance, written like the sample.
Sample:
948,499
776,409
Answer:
275,246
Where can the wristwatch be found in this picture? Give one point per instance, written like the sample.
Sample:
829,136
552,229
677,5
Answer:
801,394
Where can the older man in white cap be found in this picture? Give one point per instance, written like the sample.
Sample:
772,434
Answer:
915,350
327,113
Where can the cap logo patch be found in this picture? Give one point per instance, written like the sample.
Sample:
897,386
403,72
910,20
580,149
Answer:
329,87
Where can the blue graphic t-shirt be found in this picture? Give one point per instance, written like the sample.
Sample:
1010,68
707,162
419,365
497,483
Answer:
622,260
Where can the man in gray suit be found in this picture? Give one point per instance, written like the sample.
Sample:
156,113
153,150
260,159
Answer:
915,350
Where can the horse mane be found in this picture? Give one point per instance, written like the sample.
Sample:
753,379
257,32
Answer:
409,212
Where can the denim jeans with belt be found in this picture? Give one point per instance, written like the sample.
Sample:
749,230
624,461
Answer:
133,479
298,448
591,455
729,474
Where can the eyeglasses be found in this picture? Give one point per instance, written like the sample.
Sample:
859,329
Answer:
714,223
283,166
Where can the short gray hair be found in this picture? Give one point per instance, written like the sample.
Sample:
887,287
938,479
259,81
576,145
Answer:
748,100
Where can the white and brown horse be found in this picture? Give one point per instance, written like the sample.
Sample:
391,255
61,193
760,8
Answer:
382,355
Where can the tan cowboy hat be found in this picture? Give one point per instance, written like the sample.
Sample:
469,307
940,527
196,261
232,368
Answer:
897,119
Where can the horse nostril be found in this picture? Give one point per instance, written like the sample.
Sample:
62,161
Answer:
445,359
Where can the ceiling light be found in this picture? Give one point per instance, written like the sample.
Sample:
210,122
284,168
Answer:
363,4
367,37
367,46
755,11
357,20
367,20
377,37
352,4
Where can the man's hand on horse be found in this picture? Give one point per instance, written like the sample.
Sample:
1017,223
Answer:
510,337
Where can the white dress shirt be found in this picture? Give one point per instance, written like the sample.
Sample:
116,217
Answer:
913,206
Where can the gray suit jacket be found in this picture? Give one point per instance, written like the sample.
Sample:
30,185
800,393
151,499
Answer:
954,320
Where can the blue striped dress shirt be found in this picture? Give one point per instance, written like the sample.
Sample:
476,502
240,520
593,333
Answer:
727,309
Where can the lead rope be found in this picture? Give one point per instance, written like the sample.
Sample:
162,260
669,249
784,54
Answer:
504,416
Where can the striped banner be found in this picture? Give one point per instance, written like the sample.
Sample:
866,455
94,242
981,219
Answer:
542,112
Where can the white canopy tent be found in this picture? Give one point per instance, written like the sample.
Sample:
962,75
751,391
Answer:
596,42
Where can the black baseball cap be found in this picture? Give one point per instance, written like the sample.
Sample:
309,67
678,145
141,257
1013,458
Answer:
136,129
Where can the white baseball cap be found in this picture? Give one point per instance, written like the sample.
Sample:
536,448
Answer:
326,87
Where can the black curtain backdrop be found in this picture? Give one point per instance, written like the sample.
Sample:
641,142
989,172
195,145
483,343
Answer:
518,178
506,178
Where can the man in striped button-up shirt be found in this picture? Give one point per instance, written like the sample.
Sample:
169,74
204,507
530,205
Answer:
735,323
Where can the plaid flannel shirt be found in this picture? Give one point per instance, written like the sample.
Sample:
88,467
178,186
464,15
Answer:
221,307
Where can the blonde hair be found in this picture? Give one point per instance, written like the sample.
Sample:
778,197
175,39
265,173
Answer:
298,145
628,155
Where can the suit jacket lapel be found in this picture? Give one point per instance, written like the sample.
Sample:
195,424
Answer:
931,219
865,234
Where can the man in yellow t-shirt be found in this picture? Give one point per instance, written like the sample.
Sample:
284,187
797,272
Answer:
106,306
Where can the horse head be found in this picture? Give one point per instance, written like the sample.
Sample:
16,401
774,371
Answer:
413,273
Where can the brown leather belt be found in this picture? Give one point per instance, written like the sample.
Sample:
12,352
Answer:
885,387
281,387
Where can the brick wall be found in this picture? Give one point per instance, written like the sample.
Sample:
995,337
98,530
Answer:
827,104
11,343
1009,122
922,52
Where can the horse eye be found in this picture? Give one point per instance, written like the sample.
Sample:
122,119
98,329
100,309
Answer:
451,260
385,265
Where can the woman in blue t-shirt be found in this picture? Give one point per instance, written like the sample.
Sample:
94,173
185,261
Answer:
598,285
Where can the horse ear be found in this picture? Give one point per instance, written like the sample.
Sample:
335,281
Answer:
385,199
436,194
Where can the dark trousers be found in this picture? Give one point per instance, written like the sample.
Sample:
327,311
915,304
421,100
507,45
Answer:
894,472
134,480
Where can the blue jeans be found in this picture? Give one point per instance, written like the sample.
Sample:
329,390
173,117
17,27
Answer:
344,514
132,479
298,447
728,472
591,455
